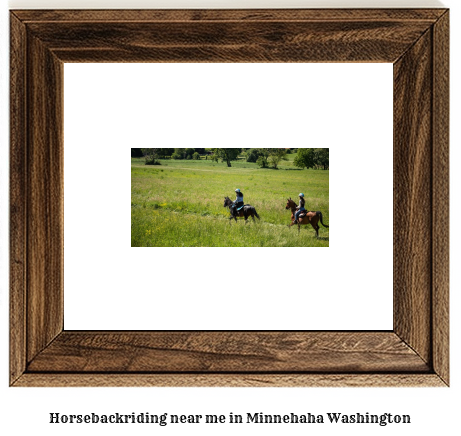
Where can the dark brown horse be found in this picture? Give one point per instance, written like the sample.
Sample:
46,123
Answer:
245,212
306,217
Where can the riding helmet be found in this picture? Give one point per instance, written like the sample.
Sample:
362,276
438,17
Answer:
301,195
237,190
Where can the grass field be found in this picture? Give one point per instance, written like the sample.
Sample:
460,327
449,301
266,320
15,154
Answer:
180,204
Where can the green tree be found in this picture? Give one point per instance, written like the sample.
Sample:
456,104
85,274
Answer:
179,153
151,155
189,152
304,158
165,152
196,156
276,155
227,154
322,157
252,155
263,159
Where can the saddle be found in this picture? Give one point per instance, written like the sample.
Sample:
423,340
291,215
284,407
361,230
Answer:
239,212
303,214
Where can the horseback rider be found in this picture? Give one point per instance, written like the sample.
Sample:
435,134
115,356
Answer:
300,207
238,201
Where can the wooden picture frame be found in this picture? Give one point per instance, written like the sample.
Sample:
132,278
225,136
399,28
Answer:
414,353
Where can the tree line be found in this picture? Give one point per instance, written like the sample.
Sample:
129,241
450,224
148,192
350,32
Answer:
313,158
264,157
153,155
305,157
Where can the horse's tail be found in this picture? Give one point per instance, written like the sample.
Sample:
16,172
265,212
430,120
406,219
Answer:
256,213
319,214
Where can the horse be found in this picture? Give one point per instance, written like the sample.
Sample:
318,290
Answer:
245,212
305,217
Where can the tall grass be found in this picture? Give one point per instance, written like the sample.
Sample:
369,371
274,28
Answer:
180,203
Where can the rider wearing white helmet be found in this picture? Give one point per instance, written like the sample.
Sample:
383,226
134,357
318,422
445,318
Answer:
238,201
300,207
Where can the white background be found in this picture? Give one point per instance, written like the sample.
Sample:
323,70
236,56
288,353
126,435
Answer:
433,410
346,107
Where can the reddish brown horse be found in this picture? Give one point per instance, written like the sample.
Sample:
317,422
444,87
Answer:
306,217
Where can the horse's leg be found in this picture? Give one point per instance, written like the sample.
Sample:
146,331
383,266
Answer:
299,228
315,225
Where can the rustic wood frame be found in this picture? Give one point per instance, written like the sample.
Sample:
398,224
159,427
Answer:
415,353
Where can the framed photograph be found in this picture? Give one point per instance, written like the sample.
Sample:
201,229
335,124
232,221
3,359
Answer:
414,353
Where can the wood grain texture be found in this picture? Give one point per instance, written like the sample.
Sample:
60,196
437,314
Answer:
415,354
230,380
18,211
236,352
241,41
184,15
413,196
440,204
45,239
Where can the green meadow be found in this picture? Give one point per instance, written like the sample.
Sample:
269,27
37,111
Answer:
180,204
